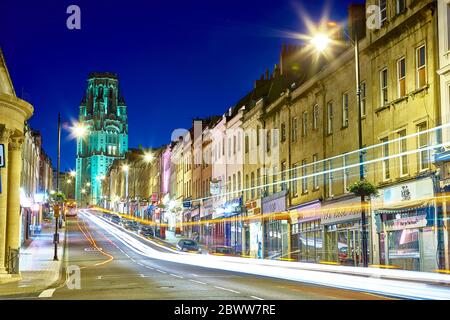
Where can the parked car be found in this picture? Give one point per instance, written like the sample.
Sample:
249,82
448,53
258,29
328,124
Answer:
116,219
222,251
188,245
146,231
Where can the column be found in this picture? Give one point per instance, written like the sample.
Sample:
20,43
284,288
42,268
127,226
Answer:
13,210
4,139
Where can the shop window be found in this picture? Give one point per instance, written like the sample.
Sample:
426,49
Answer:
401,77
421,67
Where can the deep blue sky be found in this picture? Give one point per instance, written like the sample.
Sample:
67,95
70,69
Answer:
176,59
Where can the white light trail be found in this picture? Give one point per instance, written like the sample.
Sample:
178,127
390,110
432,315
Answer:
350,278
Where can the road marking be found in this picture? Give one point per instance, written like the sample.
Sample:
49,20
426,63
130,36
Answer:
160,271
257,298
176,276
226,289
140,264
149,267
99,277
195,275
197,281
144,276
47,293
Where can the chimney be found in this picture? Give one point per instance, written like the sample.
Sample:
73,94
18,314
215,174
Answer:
357,20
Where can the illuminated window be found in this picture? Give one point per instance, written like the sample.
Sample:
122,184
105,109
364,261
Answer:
403,148
345,110
401,77
330,118
385,155
384,87
422,144
421,67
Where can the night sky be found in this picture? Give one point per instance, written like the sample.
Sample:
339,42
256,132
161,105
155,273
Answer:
175,59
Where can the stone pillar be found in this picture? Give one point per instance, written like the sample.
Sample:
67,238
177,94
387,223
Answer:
13,212
4,139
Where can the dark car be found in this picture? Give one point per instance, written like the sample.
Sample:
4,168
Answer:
188,245
222,251
116,219
146,231
131,225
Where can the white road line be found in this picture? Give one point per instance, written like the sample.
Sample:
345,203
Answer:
226,289
195,275
47,293
149,267
161,271
176,276
140,264
257,298
197,281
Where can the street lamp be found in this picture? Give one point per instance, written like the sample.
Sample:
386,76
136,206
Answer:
148,157
126,169
321,42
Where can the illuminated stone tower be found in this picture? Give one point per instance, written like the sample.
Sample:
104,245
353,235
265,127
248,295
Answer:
104,113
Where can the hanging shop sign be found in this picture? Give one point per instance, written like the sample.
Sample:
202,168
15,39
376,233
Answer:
253,207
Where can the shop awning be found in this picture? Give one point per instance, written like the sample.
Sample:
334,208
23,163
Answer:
400,207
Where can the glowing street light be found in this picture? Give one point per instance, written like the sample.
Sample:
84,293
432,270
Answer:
73,173
79,130
148,157
125,168
321,41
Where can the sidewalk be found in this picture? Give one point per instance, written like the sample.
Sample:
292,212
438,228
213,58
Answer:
37,269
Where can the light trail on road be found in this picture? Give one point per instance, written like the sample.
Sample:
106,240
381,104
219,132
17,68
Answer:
372,282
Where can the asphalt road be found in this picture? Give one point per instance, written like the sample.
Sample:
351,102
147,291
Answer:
110,270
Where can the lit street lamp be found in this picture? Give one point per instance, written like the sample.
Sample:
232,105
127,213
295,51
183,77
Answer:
321,41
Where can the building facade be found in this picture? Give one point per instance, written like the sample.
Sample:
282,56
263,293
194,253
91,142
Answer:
103,113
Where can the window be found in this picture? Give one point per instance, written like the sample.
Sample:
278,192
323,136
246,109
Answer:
383,11
345,110
246,143
253,184
258,182
316,117
275,137
385,155
234,144
316,171
229,147
330,178
239,142
362,92
330,118
283,132
294,181
422,144
304,178
384,87
401,77
257,135
403,148
274,179
346,172
247,184
400,6
294,129
234,183
305,124
239,182
421,67
268,141
283,176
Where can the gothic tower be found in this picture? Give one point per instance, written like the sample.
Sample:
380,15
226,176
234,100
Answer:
104,113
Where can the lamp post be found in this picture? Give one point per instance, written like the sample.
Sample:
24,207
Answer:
321,42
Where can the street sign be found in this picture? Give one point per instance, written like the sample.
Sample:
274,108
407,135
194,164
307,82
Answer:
2,156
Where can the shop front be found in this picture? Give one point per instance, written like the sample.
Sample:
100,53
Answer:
195,223
233,224
406,225
206,211
276,226
218,226
306,232
342,231
253,231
